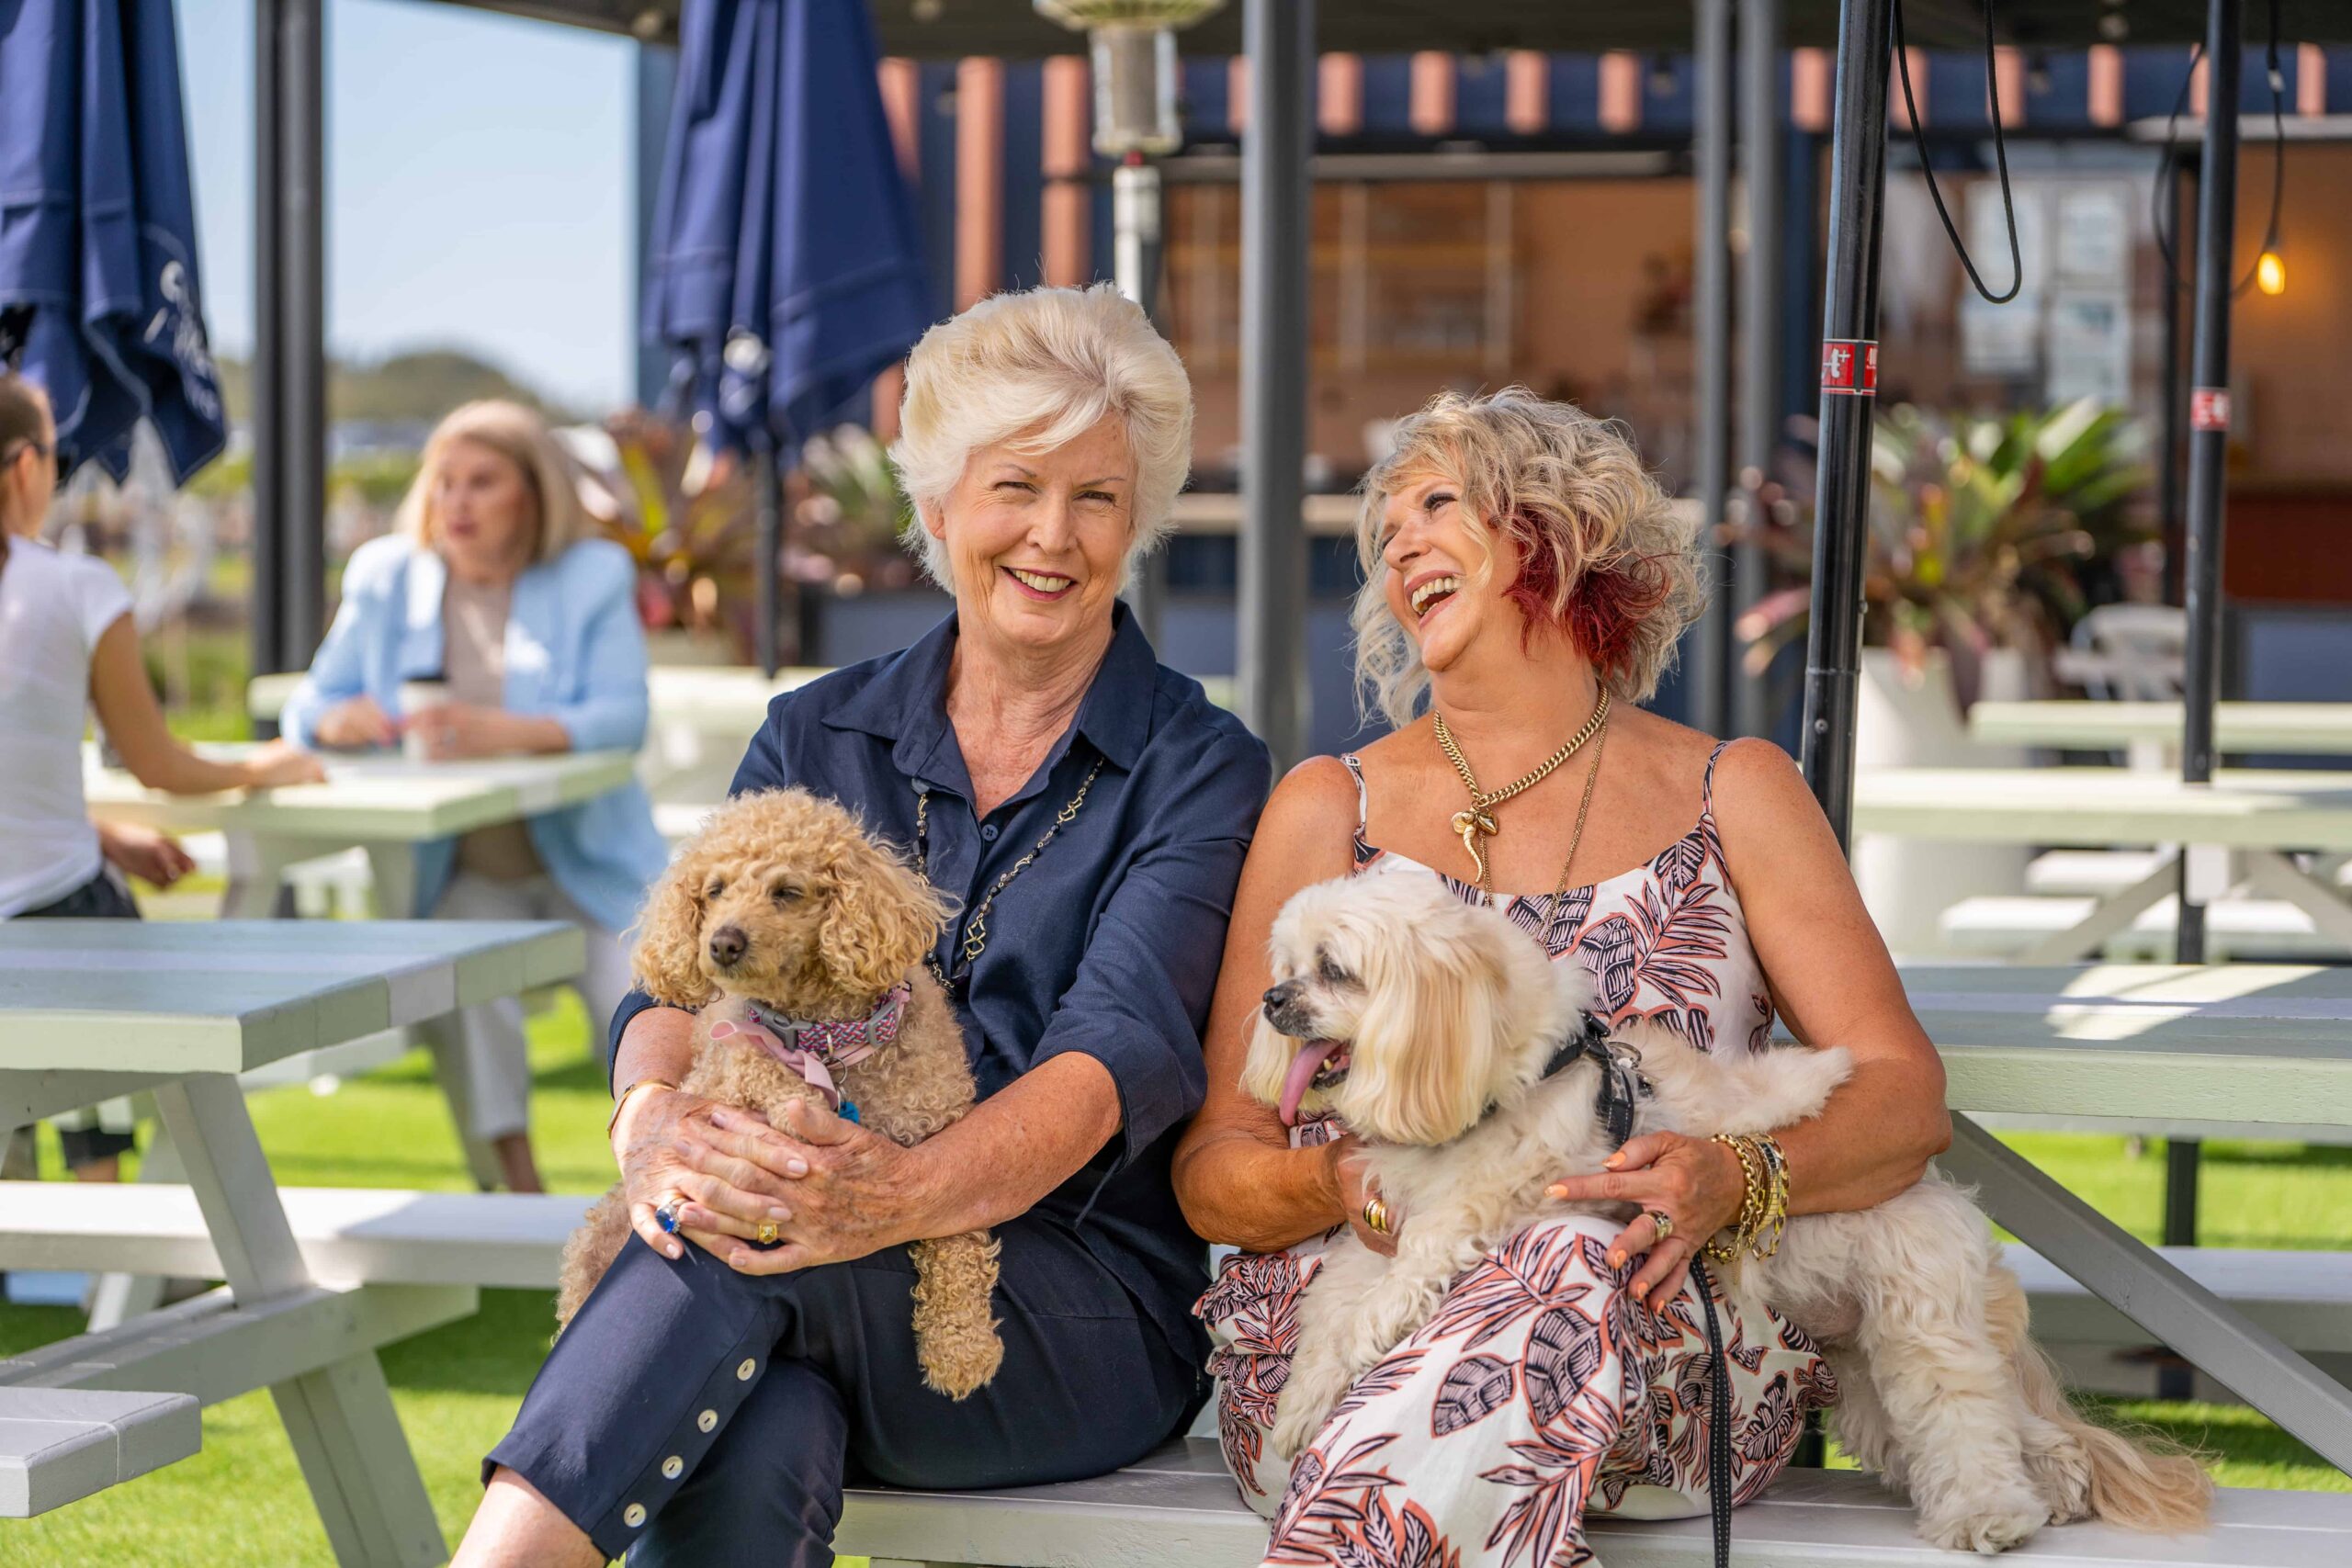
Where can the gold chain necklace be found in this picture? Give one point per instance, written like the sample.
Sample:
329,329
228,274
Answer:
1477,824
1592,777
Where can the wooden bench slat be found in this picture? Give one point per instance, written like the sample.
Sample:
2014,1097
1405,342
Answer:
61,1445
1178,1509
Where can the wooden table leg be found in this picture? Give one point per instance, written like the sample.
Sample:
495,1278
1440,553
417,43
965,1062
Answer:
2176,1310
340,1420
394,868
2108,917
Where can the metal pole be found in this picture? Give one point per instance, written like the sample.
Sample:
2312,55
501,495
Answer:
1280,37
1135,240
1707,662
1762,136
2168,479
767,546
1848,397
657,92
2209,441
268,433
301,301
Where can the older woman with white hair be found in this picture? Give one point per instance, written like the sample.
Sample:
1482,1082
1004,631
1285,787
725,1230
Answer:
1088,811
509,633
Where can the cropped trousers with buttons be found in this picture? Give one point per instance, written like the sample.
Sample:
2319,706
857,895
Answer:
692,1415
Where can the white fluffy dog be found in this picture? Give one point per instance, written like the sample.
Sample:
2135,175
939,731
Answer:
1428,1024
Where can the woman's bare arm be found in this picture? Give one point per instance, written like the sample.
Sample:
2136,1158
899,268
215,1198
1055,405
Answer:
1239,1181
1832,980
155,756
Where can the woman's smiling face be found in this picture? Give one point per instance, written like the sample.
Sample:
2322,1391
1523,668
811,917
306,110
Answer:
1447,578
1038,540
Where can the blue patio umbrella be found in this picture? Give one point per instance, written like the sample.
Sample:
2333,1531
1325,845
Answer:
99,300
787,266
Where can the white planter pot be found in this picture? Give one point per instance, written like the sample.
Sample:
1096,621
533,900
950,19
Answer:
1915,722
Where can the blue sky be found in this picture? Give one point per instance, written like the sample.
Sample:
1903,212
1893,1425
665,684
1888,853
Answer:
479,181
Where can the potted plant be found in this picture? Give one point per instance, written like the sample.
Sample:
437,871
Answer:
1988,538
684,515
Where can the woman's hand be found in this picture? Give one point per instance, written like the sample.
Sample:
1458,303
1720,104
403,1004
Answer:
1696,1182
672,1152
152,857
357,724
850,1192
1348,1174
453,731
281,762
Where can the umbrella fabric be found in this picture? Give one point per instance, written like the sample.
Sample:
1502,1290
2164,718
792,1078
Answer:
787,269
99,292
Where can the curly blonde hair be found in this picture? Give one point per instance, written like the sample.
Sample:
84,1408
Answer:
1606,557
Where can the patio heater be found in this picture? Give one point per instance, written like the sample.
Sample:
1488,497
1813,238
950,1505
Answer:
1131,48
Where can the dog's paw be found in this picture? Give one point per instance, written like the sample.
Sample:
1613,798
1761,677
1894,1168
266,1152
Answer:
1989,1524
2060,1468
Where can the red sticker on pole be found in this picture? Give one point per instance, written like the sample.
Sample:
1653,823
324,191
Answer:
2209,409
1850,367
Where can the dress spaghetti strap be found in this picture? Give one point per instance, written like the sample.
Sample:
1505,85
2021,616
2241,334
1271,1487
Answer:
1706,783
1363,804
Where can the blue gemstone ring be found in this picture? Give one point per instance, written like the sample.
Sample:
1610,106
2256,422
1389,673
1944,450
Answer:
667,1218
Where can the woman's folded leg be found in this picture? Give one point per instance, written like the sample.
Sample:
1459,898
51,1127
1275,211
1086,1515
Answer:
701,1415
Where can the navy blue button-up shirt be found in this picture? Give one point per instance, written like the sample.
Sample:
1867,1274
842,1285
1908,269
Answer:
1108,944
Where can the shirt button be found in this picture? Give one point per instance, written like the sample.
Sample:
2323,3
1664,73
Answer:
634,1514
743,1373
988,832
707,1420
673,1467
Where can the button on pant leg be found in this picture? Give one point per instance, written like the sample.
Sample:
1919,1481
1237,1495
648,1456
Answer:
769,1492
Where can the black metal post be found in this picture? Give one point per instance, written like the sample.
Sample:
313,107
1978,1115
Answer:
1849,398
268,432
1275,195
1707,660
767,546
1761,139
2209,440
301,303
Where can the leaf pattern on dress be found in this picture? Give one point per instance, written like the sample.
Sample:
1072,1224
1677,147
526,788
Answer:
1387,1375
1474,1388
1612,951
1760,1037
1527,1274
1552,919
1773,1426
1563,1352
1679,864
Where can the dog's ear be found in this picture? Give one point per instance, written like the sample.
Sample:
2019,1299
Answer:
667,959
1434,1044
880,920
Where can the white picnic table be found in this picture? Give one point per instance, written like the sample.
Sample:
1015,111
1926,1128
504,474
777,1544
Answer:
2153,730
2237,832
90,1010
2232,1045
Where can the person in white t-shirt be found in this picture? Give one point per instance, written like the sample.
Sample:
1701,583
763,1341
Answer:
67,644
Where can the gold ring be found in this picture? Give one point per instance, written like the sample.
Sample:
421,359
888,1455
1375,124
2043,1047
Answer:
1375,1215
767,1233
1664,1224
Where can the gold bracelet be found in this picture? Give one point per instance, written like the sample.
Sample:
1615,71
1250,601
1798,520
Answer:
1776,1211
621,1102
1752,1198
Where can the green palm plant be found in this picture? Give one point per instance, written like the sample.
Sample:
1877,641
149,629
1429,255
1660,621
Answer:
684,515
1983,533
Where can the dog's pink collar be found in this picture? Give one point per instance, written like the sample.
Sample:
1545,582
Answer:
818,1049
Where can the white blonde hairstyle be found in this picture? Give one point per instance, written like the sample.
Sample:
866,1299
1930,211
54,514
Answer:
1605,557
520,436
1033,371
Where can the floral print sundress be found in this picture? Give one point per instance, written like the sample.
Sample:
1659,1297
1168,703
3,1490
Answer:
1538,1391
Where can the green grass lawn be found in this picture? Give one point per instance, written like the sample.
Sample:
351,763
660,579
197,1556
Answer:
457,1388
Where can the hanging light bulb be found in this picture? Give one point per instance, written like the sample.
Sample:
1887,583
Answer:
2270,274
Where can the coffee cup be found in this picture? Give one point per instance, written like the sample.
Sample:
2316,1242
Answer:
415,697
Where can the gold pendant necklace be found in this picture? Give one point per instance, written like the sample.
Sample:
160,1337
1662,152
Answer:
1477,824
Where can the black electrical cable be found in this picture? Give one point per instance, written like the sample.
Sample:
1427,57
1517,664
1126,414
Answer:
2170,161
2001,158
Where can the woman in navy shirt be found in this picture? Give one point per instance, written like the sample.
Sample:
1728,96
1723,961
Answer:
710,1401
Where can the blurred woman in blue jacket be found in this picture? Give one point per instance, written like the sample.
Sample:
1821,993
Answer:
512,634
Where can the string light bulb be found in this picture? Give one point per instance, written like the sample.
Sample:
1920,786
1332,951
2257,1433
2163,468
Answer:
2270,274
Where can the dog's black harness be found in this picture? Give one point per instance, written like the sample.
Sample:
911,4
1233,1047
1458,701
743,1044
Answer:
1622,1087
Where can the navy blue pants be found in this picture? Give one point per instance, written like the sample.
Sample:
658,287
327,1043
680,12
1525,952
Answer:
692,1415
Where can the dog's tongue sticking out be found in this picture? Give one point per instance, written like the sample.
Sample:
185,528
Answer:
1301,1076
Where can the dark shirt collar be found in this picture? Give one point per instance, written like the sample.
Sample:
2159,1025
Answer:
906,703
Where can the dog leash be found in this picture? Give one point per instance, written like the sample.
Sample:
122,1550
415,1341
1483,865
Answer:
1718,1420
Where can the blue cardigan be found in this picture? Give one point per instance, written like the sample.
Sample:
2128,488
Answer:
574,653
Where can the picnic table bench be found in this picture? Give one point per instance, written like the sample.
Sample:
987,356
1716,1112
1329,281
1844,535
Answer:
95,1008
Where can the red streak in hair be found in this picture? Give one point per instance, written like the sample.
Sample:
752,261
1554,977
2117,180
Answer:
1603,612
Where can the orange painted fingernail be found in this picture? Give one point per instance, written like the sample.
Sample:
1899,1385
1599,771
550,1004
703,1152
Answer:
1614,1161
1555,1190
1616,1260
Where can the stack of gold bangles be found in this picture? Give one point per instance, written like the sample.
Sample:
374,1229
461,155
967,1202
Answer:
1764,1207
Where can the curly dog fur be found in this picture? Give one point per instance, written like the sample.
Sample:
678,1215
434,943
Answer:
819,920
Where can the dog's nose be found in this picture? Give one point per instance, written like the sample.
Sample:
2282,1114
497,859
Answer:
727,945
1280,997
